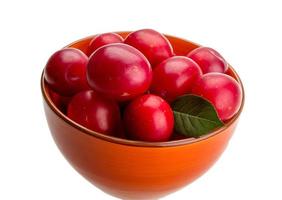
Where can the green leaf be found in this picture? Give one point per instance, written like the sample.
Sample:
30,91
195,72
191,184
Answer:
194,116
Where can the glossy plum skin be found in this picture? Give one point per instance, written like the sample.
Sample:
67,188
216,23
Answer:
119,71
103,39
222,91
149,118
152,44
174,77
208,59
94,112
65,71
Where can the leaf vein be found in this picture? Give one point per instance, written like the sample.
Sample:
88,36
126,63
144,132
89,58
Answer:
193,116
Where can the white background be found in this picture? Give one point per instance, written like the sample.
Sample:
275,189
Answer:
247,33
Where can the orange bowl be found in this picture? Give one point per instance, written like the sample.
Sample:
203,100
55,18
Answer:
133,169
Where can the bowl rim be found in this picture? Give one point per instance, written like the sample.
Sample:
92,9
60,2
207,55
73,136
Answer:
128,142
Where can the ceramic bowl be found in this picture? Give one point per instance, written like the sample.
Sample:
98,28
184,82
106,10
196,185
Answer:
133,169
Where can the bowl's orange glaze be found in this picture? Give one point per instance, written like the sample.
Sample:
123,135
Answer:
131,169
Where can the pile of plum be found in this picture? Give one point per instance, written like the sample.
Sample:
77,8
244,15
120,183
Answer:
125,87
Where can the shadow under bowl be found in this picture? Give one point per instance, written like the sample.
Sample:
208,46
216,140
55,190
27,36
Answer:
134,169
